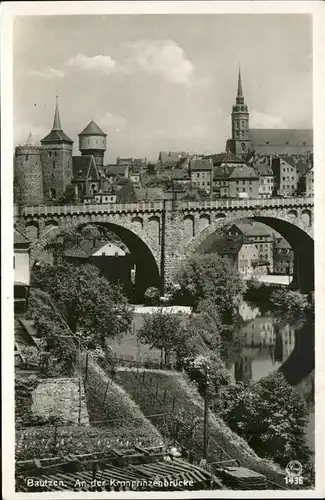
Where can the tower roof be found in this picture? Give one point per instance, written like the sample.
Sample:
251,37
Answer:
56,134
240,96
239,87
56,121
92,129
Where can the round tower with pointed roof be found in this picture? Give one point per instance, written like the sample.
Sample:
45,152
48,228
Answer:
56,155
92,142
28,174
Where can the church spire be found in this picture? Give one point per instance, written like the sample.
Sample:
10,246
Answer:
240,96
56,121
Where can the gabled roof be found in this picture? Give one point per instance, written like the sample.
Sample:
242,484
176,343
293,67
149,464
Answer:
302,167
231,158
222,244
20,239
282,243
170,156
249,228
288,159
263,168
243,172
115,169
223,172
281,137
92,129
84,167
86,249
200,165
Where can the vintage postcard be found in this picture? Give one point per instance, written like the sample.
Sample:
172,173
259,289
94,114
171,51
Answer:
163,188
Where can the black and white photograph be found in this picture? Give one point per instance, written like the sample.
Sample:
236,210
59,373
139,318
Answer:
163,263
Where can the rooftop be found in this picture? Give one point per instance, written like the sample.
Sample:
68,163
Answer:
92,129
20,239
243,172
281,137
84,167
250,228
200,165
56,136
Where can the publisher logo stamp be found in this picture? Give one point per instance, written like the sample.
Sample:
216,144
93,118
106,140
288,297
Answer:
294,471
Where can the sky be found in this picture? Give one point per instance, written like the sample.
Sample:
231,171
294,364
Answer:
160,82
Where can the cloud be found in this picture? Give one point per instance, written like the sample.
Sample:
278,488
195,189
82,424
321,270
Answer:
111,121
163,58
47,73
22,131
104,64
263,120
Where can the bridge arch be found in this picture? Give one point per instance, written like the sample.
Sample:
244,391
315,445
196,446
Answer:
296,231
141,251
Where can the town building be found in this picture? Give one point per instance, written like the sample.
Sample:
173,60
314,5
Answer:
260,236
266,178
201,173
243,179
112,259
86,177
285,175
21,263
170,159
241,253
283,257
310,182
115,172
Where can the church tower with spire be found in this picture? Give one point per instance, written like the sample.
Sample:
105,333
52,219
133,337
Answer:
239,144
56,154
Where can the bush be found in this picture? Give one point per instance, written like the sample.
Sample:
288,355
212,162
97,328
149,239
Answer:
152,296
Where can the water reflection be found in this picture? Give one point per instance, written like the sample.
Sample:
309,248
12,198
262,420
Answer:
266,345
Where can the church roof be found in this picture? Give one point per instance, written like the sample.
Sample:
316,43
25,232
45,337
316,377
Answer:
281,137
92,129
84,167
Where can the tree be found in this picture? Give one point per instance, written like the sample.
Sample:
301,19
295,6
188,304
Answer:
152,169
209,276
69,195
89,304
271,416
165,331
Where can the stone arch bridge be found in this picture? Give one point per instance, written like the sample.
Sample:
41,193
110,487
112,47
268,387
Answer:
160,235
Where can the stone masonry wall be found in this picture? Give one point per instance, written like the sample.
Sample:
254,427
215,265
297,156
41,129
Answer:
60,398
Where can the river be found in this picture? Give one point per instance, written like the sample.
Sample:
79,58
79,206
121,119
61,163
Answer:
267,347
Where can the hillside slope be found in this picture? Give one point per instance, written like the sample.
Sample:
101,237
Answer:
156,391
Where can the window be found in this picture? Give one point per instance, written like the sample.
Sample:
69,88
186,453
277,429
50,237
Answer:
52,193
26,157
55,153
116,254
243,182
50,153
283,178
53,164
14,262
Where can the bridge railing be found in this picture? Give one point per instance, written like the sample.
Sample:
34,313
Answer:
223,204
